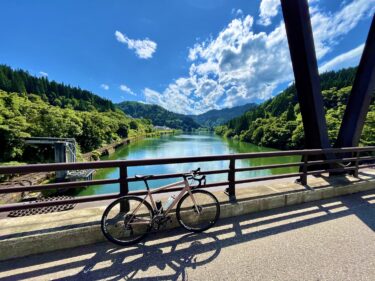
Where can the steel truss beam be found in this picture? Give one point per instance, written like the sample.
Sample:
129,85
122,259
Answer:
360,96
305,67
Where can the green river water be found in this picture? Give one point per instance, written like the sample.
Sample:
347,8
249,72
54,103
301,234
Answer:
185,145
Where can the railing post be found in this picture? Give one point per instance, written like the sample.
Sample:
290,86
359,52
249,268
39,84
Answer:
304,170
231,179
356,172
124,187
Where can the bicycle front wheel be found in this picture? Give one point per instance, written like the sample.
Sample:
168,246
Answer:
199,211
127,220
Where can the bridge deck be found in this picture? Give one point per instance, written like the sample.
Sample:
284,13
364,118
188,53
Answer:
24,236
325,240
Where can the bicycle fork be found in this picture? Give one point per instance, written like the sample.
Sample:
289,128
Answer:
194,202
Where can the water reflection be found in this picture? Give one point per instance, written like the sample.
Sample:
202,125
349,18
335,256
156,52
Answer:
186,145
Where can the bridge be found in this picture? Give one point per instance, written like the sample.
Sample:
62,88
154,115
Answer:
329,239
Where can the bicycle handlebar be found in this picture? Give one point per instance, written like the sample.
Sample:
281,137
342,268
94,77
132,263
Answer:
196,171
194,175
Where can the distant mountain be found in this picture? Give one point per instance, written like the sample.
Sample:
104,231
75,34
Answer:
158,115
215,117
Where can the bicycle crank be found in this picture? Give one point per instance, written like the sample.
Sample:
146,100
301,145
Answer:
160,221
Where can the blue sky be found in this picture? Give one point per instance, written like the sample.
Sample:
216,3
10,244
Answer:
189,56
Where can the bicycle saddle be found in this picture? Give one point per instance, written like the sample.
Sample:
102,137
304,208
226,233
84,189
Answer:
143,177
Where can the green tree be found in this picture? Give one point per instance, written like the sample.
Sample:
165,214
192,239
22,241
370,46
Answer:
278,123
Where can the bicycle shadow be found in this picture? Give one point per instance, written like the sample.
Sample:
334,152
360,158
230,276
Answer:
166,254
170,255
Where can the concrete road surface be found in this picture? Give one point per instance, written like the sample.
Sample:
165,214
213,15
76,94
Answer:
326,240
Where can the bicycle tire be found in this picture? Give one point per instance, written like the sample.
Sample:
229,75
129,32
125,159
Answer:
104,227
214,205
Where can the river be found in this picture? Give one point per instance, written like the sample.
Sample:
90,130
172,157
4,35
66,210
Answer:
185,145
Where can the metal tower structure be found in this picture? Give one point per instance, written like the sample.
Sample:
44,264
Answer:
305,68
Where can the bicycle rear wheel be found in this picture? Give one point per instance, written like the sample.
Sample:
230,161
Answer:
199,216
127,220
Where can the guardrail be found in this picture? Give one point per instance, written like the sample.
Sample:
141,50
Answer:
332,158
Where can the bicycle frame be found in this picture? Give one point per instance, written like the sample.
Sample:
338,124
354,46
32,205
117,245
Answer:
187,188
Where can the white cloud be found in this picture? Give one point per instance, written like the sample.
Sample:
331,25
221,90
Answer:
144,49
104,87
350,58
268,10
126,89
236,67
329,28
44,74
240,65
154,97
237,12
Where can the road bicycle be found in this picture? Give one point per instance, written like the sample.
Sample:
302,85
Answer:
129,219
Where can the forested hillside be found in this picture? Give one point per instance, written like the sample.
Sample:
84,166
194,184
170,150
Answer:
32,106
158,115
277,122
216,117
57,94
25,115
